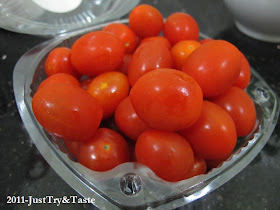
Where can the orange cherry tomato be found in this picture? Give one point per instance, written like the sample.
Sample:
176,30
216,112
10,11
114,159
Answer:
109,89
181,51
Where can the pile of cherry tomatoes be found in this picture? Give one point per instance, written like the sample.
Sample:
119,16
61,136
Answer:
172,102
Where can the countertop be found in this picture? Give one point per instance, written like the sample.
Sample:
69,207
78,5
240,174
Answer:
24,171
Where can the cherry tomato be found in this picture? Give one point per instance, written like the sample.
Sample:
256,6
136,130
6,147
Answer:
97,52
123,68
58,61
215,65
104,151
180,26
213,136
124,33
109,89
181,51
148,57
67,112
160,39
168,154
145,20
60,78
128,121
199,167
244,77
241,108
73,147
205,40
167,99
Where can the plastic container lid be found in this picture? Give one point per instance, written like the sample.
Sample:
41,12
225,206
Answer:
52,17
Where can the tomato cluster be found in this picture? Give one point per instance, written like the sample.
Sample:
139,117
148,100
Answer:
124,93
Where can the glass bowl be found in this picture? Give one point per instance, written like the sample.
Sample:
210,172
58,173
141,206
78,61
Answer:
132,185
52,17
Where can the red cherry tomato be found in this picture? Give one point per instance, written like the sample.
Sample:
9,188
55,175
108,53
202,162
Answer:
241,108
128,121
159,39
109,89
199,167
145,21
180,26
124,33
123,68
106,150
215,65
73,147
168,154
244,77
167,99
58,61
181,51
67,112
97,52
60,78
148,57
213,136
203,41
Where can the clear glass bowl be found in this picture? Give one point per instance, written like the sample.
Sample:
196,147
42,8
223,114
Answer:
26,16
132,184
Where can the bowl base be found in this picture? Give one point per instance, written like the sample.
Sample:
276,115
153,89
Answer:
256,34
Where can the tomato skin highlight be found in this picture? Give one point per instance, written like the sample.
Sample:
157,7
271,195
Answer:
181,51
167,99
213,136
148,57
241,108
215,65
128,121
180,26
168,154
109,89
67,112
104,151
97,52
